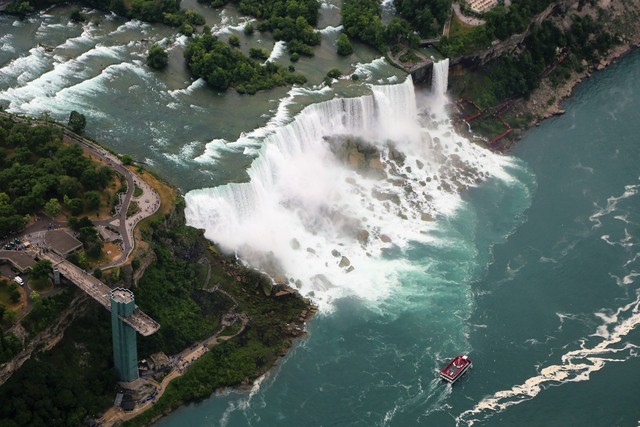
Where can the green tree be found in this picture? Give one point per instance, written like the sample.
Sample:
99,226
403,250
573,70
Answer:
344,45
77,121
157,58
234,40
53,207
40,270
92,199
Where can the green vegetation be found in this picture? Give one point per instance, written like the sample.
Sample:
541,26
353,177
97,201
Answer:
343,45
291,20
157,58
88,235
548,50
10,345
361,20
9,294
46,310
77,122
426,16
64,386
223,66
37,171
39,275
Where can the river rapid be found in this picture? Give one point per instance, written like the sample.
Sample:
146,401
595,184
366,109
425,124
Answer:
429,247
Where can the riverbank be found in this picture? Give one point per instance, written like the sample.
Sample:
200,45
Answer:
546,101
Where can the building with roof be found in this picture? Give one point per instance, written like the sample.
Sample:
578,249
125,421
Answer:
19,259
125,351
61,242
480,6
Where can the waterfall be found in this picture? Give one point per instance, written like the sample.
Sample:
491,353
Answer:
440,78
340,184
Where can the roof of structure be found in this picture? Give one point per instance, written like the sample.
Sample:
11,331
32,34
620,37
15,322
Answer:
61,242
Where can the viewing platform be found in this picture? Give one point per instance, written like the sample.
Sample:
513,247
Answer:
142,323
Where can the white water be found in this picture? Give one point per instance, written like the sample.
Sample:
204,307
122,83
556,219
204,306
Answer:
440,78
324,220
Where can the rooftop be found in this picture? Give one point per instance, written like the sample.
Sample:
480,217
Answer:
122,295
61,242
20,260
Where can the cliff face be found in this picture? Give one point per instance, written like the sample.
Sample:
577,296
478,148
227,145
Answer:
620,17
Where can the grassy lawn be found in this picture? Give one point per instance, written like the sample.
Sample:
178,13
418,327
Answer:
41,285
458,27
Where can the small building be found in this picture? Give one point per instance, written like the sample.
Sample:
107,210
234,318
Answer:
158,361
18,259
480,6
61,242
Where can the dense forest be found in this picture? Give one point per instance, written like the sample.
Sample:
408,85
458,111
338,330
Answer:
65,386
224,66
547,48
37,171
426,16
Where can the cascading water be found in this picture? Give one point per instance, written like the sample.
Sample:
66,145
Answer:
440,77
331,192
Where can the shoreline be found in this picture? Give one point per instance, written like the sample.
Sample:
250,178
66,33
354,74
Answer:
539,104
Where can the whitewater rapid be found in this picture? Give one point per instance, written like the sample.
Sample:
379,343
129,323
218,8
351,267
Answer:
340,185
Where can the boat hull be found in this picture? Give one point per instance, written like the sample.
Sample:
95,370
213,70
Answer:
456,368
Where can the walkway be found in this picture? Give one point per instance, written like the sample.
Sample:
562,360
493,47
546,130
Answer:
97,290
474,22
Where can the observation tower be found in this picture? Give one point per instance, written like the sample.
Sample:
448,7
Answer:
125,351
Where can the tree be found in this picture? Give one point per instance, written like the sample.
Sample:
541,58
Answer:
157,58
92,198
77,121
77,16
40,269
344,45
53,207
234,40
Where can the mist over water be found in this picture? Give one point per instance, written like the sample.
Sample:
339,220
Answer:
337,192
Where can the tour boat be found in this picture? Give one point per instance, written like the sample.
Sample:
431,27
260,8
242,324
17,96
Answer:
455,368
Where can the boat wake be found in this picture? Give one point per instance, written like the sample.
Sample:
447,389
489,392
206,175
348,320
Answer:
576,365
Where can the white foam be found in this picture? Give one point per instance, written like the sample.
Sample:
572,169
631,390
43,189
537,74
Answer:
195,85
366,70
612,204
304,210
228,24
279,49
576,365
330,29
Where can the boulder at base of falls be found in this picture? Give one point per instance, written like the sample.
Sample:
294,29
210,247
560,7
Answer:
344,262
426,217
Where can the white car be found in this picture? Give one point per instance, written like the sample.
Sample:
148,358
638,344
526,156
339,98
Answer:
19,280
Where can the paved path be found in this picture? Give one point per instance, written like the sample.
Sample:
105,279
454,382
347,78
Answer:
466,19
